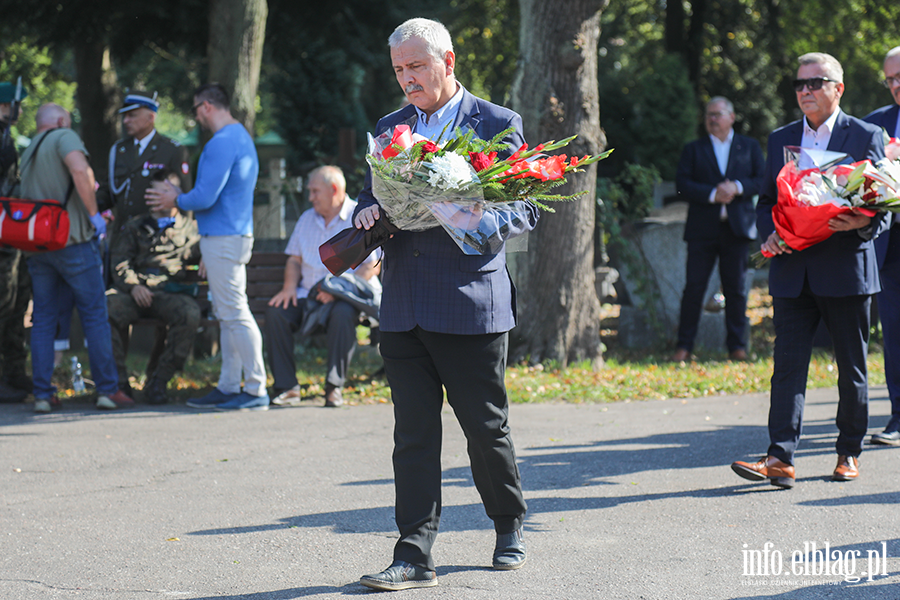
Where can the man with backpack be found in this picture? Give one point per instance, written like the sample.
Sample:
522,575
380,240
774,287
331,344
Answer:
55,166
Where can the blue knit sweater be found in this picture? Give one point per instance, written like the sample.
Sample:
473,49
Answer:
222,199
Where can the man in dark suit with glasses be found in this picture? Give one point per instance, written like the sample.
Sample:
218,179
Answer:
832,281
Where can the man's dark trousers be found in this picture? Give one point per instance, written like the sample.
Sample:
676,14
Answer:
418,365
282,323
848,319
731,251
889,315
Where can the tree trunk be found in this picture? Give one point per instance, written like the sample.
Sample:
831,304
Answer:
237,30
556,92
97,97
675,34
694,45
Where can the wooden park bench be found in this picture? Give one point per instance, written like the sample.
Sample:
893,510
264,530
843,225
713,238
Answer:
265,278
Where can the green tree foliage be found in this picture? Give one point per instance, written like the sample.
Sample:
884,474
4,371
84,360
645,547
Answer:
738,61
648,114
330,69
41,75
745,50
630,73
856,32
327,67
486,38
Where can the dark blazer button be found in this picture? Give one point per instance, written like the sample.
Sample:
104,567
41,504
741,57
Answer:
415,253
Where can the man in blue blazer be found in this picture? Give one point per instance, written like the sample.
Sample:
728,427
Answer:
718,175
887,248
833,281
444,322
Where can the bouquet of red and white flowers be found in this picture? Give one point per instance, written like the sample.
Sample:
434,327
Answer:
809,198
463,187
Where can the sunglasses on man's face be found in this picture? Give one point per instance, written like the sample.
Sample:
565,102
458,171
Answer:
813,83
890,81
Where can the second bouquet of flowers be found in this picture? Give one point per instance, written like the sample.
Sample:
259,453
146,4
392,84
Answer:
809,198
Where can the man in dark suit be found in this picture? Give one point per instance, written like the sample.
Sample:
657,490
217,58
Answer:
445,318
718,175
833,281
887,248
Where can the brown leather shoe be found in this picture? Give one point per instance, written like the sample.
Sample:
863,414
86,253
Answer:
847,468
739,354
778,473
681,355
333,397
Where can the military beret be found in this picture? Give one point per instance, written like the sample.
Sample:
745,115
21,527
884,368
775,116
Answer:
8,92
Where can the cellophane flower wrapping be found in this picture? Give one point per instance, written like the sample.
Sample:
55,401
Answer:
443,192
809,198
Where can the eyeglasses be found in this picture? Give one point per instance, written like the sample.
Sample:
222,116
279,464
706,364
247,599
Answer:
890,81
199,104
813,83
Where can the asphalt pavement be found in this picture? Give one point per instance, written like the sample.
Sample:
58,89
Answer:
631,500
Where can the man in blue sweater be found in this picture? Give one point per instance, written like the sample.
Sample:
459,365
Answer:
222,201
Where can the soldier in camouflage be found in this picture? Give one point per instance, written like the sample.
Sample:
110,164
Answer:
149,256
15,284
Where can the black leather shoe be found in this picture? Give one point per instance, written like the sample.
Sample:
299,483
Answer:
509,552
10,394
20,381
886,438
400,576
155,393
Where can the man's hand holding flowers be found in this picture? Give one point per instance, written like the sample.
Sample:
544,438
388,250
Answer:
855,219
367,217
774,245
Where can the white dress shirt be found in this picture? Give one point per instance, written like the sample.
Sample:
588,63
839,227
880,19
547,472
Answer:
816,139
142,144
442,118
309,233
722,149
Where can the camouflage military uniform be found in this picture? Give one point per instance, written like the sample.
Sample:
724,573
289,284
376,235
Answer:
142,254
15,290
132,174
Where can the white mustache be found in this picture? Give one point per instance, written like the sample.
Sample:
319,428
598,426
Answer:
413,87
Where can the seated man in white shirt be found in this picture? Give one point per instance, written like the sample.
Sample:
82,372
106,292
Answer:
331,212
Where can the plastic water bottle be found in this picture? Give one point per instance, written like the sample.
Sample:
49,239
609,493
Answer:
77,378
